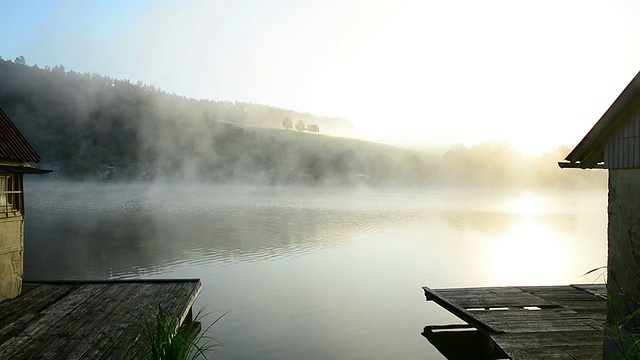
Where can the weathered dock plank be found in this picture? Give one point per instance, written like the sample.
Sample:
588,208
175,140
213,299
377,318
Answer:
569,352
492,297
35,300
533,322
129,326
114,307
172,303
87,320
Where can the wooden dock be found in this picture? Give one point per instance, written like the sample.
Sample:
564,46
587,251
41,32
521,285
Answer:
530,322
87,320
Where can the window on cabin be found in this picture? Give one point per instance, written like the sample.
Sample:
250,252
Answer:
9,195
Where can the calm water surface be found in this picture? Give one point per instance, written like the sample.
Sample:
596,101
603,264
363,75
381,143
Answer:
315,273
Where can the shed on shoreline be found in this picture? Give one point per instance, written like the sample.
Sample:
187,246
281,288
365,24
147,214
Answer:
614,144
15,155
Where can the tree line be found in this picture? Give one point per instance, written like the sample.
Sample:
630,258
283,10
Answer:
78,122
287,123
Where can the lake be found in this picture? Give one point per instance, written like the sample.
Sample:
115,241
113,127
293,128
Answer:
315,273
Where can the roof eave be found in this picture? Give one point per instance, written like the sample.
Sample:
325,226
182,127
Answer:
6,168
593,142
579,165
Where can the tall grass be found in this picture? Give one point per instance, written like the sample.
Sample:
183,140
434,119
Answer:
163,338
620,332
622,328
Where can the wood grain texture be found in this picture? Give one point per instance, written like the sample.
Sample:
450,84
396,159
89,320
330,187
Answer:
533,322
87,320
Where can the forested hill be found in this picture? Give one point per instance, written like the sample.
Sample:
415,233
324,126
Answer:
89,126
82,124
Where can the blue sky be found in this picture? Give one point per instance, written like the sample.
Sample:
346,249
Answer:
75,34
423,73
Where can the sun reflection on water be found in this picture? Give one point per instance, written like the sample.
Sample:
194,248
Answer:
528,203
528,254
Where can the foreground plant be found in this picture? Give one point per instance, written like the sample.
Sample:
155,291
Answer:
622,333
163,338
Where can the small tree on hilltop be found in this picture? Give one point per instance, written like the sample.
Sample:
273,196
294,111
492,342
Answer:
313,128
300,126
287,123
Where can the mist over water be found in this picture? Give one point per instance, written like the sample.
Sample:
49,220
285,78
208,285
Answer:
316,242
315,272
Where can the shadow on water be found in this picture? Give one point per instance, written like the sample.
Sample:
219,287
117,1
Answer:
462,342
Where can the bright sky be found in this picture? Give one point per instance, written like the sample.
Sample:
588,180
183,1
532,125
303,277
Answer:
424,73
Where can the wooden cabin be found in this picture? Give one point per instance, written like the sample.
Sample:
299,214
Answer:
614,144
15,156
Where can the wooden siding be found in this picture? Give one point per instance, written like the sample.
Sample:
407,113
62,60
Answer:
622,150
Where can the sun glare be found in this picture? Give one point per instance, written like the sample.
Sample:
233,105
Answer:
427,74
528,254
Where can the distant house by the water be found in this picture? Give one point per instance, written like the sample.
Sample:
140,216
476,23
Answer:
105,171
15,156
614,144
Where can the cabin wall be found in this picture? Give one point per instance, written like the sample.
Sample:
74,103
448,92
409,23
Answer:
11,256
12,242
622,150
624,241
623,264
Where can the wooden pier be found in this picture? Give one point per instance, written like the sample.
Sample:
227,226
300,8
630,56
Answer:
88,320
528,322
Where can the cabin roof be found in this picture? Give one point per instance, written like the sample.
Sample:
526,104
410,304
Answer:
589,153
13,145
